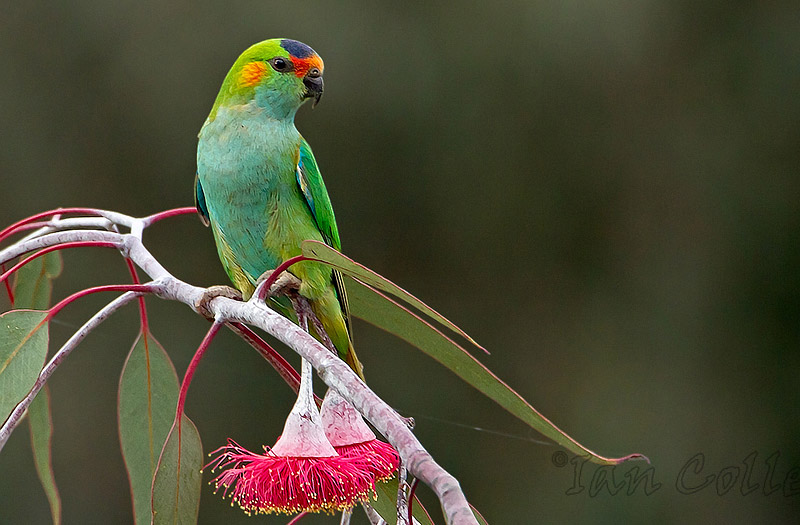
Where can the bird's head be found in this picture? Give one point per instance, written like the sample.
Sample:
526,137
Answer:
278,75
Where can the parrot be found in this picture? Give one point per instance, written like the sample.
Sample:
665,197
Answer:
259,188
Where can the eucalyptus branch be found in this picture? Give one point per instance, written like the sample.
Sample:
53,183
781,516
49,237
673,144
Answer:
332,370
16,415
61,237
71,223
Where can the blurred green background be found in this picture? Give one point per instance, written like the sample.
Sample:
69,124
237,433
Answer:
605,194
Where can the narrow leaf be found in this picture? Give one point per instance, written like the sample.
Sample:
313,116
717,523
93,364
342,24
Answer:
478,516
176,487
33,287
41,437
148,395
385,313
32,283
324,253
23,349
386,504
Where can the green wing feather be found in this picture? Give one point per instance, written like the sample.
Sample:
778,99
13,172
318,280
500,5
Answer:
313,188
311,184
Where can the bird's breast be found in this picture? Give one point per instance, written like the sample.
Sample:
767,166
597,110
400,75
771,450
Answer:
247,168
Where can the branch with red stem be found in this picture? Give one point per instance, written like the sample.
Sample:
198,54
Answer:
16,415
62,246
156,217
50,213
262,292
332,370
142,309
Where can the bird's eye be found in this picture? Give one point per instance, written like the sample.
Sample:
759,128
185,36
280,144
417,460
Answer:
280,64
314,72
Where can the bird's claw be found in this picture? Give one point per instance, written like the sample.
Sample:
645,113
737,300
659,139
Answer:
211,293
286,284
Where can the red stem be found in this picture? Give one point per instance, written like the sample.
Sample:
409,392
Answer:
281,365
74,244
146,288
59,211
31,226
8,286
282,267
411,500
187,378
297,518
152,219
142,309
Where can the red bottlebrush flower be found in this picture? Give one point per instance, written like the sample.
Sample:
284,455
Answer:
352,438
302,472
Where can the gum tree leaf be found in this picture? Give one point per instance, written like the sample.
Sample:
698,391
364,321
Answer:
478,516
41,437
335,259
33,282
386,504
148,395
387,314
23,349
33,286
176,487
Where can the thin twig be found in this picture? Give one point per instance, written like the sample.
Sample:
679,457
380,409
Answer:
402,494
16,415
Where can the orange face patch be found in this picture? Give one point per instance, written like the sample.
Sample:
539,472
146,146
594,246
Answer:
302,65
252,73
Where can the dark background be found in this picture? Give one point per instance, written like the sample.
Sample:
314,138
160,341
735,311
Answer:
605,194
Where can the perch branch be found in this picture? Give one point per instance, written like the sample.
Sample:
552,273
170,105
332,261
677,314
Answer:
332,370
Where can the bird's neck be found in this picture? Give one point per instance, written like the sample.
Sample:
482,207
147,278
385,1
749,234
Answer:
244,139
252,122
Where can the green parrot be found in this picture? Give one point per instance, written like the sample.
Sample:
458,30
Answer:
259,187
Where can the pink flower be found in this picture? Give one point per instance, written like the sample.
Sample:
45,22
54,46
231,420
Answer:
352,438
301,473
265,483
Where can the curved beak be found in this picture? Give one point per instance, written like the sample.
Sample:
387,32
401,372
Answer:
314,87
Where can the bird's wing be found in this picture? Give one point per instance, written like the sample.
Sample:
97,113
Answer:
313,188
310,181
200,201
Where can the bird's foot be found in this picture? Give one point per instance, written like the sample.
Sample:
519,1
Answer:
211,293
286,284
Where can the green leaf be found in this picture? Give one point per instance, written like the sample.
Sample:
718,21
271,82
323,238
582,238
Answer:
32,282
148,395
386,504
385,313
326,254
23,349
176,487
32,289
41,436
478,516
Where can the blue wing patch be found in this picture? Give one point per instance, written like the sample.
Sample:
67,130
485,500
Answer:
200,201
